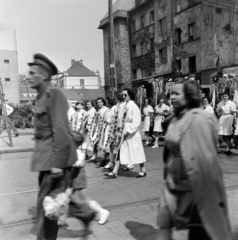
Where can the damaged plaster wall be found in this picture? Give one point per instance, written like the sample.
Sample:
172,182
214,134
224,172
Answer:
219,37
143,35
164,41
189,48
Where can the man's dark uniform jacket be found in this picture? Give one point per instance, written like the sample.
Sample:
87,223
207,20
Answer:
55,147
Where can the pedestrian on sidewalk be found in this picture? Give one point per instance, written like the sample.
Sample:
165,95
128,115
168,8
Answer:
148,114
3,125
55,150
194,196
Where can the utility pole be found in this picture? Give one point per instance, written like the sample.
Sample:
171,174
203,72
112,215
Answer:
113,76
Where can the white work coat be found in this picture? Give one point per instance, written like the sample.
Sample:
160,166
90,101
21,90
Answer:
132,151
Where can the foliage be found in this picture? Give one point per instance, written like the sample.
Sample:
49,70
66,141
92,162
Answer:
22,115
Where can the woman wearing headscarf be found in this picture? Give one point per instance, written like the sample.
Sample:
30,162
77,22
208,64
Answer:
194,194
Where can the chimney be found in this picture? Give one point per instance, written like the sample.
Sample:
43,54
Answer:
81,61
72,62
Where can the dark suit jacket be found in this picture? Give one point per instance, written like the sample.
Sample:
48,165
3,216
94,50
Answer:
55,147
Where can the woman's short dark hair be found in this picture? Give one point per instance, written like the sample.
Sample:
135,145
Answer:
89,101
119,97
148,99
226,93
130,93
191,92
111,101
161,98
102,99
208,98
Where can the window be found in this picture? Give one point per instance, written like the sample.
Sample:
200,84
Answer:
133,51
162,26
191,32
192,64
152,16
163,55
178,33
178,5
112,82
142,21
81,82
133,26
6,61
143,72
142,48
134,74
152,45
7,79
162,3
112,72
179,65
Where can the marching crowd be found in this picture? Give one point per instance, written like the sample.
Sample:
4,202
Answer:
113,129
193,195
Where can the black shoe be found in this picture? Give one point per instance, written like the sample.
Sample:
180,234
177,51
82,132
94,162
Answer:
110,175
17,134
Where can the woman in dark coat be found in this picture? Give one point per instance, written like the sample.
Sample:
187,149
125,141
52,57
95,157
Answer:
194,195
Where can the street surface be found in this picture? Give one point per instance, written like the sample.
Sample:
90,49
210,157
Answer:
132,202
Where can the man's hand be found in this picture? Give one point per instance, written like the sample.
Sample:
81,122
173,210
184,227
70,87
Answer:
56,172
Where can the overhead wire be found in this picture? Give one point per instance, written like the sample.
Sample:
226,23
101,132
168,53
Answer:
223,7
219,5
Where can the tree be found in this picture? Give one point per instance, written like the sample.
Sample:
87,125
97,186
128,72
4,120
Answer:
24,80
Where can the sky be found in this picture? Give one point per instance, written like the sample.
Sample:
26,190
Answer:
60,29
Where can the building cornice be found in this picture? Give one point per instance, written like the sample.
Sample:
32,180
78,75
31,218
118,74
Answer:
117,14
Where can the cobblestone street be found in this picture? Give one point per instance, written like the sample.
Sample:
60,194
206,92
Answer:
132,202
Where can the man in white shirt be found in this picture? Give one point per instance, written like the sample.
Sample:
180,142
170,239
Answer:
3,126
206,106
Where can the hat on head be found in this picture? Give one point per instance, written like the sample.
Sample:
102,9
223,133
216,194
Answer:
79,104
43,61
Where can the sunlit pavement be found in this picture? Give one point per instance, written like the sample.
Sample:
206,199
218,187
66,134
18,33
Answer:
132,202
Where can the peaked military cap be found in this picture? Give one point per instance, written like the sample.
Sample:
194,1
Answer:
42,60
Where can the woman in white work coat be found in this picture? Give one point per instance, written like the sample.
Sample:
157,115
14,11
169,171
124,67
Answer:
227,110
131,151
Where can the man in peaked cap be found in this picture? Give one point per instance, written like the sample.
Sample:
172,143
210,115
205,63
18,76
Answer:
55,150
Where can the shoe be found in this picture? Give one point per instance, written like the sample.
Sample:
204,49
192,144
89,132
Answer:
104,215
92,159
155,146
128,168
17,134
141,174
146,144
109,166
86,156
62,223
227,152
111,175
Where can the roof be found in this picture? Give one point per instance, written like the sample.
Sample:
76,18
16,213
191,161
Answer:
120,6
78,69
83,94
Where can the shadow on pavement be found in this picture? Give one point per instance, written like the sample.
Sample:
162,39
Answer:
32,212
141,231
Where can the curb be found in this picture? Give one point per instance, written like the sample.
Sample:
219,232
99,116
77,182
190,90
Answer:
31,149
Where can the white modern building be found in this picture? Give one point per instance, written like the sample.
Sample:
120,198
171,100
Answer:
9,75
80,77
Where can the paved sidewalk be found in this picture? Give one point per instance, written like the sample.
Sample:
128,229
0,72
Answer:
22,143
